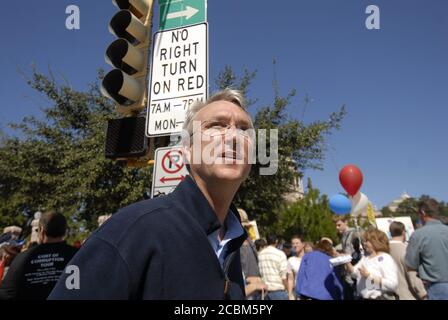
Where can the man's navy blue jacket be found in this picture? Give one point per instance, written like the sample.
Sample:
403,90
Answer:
157,249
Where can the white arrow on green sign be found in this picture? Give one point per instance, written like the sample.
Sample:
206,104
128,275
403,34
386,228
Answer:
181,13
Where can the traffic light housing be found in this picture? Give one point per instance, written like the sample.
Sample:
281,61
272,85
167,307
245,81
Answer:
126,84
125,138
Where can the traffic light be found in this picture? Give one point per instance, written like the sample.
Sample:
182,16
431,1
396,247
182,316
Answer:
126,84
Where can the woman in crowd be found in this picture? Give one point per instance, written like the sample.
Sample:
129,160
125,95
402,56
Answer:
376,273
317,279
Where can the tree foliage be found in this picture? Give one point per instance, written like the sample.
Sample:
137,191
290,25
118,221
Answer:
58,161
409,207
301,147
310,217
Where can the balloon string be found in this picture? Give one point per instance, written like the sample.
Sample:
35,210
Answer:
361,248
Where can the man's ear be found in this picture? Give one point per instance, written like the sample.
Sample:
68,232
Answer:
185,144
186,152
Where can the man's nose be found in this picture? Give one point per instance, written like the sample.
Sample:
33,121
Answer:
231,133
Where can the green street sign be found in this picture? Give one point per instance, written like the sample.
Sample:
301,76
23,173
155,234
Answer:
181,13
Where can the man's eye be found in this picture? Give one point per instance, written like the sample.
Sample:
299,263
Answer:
216,125
244,130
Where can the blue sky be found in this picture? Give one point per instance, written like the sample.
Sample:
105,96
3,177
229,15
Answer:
393,80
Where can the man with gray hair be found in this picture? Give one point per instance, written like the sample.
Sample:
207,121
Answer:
184,245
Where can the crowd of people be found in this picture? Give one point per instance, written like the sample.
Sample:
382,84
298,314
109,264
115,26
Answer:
190,244
365,265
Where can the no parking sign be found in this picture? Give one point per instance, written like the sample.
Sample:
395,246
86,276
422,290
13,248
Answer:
169,170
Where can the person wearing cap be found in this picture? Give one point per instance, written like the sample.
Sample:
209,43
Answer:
14,231
184,245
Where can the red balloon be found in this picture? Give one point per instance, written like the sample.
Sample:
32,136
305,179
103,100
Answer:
351,179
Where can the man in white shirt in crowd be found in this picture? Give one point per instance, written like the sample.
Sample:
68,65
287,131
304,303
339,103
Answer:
273,266
299,248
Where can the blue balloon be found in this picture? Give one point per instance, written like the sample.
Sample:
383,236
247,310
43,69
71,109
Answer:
340,204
